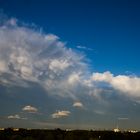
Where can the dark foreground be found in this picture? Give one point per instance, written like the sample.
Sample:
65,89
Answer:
34,134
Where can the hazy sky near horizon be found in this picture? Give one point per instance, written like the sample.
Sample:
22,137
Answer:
70,64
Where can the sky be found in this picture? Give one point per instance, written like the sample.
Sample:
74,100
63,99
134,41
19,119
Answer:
70,64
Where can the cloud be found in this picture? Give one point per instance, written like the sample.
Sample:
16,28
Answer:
2,66
28,55
58,65
12,22
127,85
30,109
100,112
123,118
84,48
60,114
78,105
16,116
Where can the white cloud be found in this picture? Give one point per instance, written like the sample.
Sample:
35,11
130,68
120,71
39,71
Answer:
16,116
60,114
127,85
30,109
27,55
78,104
106,76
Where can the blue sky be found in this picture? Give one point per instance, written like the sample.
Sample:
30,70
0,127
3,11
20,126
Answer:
69,64
111,28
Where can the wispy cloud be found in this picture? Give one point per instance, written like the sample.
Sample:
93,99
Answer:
100,112
60,114
84,48
123,118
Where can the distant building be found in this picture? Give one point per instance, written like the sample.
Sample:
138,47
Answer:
68,130
15,129
1,129
116,129
133,131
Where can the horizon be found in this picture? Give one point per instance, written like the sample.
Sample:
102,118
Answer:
68,129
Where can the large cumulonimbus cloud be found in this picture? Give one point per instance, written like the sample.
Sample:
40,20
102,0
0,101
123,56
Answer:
28,55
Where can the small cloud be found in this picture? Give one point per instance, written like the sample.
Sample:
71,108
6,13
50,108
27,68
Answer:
30,109
84,48
16,116
60,114
78,105
99,112
123,118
